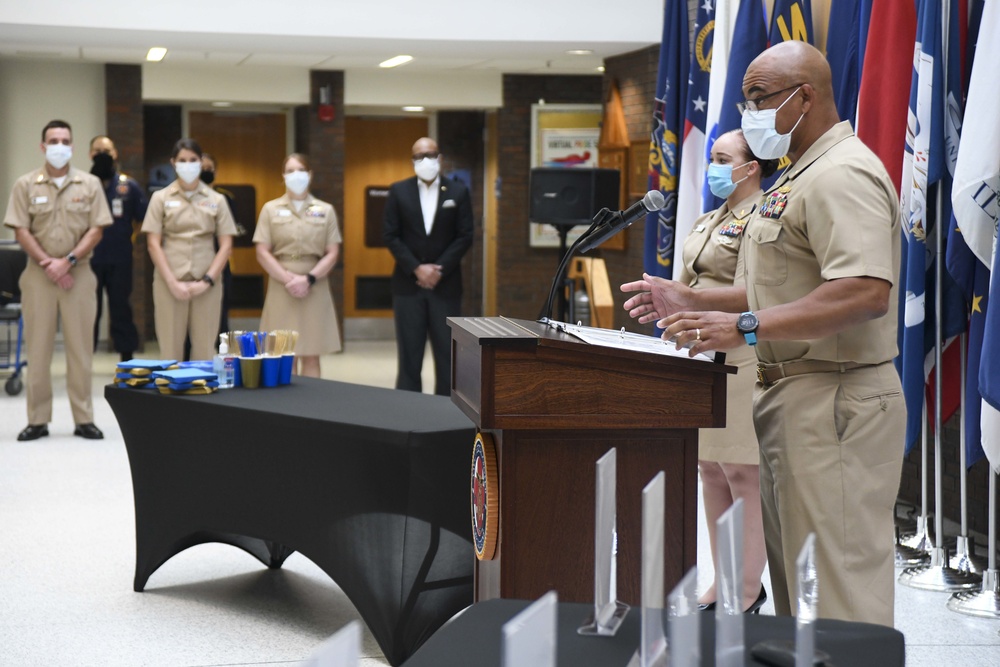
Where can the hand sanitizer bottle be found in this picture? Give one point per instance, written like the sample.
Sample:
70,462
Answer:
223,364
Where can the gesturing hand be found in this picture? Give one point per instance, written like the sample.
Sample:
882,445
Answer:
657,298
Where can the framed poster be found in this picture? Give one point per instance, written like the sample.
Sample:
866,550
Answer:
562,136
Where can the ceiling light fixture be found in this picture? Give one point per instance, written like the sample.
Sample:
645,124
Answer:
601,68
579,52
223,105
395,62
414,109
156,54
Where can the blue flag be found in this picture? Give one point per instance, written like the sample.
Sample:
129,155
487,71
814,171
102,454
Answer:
664,149
923,166
989,368
842,52
791,19
750,31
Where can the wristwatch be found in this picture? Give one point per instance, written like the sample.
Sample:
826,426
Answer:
71,258
747,324
208,279
311,278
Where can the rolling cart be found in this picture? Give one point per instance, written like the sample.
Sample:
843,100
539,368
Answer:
12,262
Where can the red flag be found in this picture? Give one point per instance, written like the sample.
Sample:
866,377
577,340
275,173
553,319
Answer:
884,97
951,384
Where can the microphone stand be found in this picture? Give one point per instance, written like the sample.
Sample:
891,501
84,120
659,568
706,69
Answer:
604,215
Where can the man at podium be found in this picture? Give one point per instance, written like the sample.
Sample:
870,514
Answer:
818,299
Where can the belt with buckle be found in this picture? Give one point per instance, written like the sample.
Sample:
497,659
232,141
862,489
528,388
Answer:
768,375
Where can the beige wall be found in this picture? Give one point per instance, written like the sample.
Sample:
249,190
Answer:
32,94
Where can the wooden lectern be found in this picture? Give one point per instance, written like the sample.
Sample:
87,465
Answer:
553,406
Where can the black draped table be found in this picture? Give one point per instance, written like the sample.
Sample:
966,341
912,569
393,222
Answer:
370,484
474,638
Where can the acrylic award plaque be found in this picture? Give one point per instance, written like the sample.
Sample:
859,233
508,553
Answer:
652,651
684,622
729,646
343,649
530,637
608,611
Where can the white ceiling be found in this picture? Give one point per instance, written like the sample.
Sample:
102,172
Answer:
510,36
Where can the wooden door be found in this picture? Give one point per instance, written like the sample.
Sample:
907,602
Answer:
376,153
248,148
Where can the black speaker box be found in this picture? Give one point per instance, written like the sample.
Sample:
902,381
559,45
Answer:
572,196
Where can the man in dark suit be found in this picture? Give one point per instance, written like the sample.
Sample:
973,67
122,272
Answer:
428,228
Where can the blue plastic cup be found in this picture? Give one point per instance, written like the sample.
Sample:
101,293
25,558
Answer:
237,374
287,364
269,370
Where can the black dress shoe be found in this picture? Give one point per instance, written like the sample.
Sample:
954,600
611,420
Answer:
33,432
706,606
758,603
88,431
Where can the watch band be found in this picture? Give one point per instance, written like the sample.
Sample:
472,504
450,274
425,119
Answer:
311,278
751,338
71,258
208,279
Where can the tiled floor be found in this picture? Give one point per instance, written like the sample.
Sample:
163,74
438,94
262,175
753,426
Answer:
67,548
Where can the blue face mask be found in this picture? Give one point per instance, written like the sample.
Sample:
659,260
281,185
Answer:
720,179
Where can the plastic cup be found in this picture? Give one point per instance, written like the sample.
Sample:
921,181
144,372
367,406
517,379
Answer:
250,371
237,375
270,368
285,373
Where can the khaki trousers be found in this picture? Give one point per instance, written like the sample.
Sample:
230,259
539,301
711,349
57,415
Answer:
831,459
45,305
175,320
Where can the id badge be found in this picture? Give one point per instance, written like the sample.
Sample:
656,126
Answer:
117,209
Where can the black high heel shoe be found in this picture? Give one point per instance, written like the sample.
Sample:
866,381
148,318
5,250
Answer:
758,603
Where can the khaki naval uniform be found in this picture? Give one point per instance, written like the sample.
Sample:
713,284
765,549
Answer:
711,252
58,217
188,227
831,439
298,240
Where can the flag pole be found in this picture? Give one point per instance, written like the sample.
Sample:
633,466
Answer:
965,558
914,550
938,576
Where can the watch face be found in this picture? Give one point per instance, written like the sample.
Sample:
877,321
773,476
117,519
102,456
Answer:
747,322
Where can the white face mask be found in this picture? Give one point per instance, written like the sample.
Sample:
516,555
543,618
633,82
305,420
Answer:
759,131
427,168
189,172
58,155
297,182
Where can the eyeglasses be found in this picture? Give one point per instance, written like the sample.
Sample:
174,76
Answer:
417,157
754,104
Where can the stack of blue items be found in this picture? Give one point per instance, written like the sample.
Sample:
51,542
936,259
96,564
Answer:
186,381
137,373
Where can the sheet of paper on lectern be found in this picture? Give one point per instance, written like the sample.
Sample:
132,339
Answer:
626,340
530,637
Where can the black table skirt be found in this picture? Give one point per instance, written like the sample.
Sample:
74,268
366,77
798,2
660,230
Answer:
474,638
370,484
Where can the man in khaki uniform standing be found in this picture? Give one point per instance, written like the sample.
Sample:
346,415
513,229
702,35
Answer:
58,214
819,302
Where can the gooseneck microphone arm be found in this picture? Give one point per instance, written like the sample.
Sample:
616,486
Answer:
546,312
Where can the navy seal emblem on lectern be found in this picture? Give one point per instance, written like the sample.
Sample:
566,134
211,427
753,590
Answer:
485,497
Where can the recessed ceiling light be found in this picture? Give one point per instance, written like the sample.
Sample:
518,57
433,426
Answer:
156,54
222,104
601,68
395,62
579,52
413,109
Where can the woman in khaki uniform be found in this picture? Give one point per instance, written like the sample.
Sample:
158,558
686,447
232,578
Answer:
729,457
298,243
182,222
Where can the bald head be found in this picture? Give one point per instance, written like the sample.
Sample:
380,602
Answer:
425,145
789,64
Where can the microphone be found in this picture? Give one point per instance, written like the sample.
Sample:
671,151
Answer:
612,223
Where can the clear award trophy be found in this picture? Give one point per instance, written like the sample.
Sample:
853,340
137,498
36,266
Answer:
652,642
530,637
684,622
729,647
608,611
343,649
